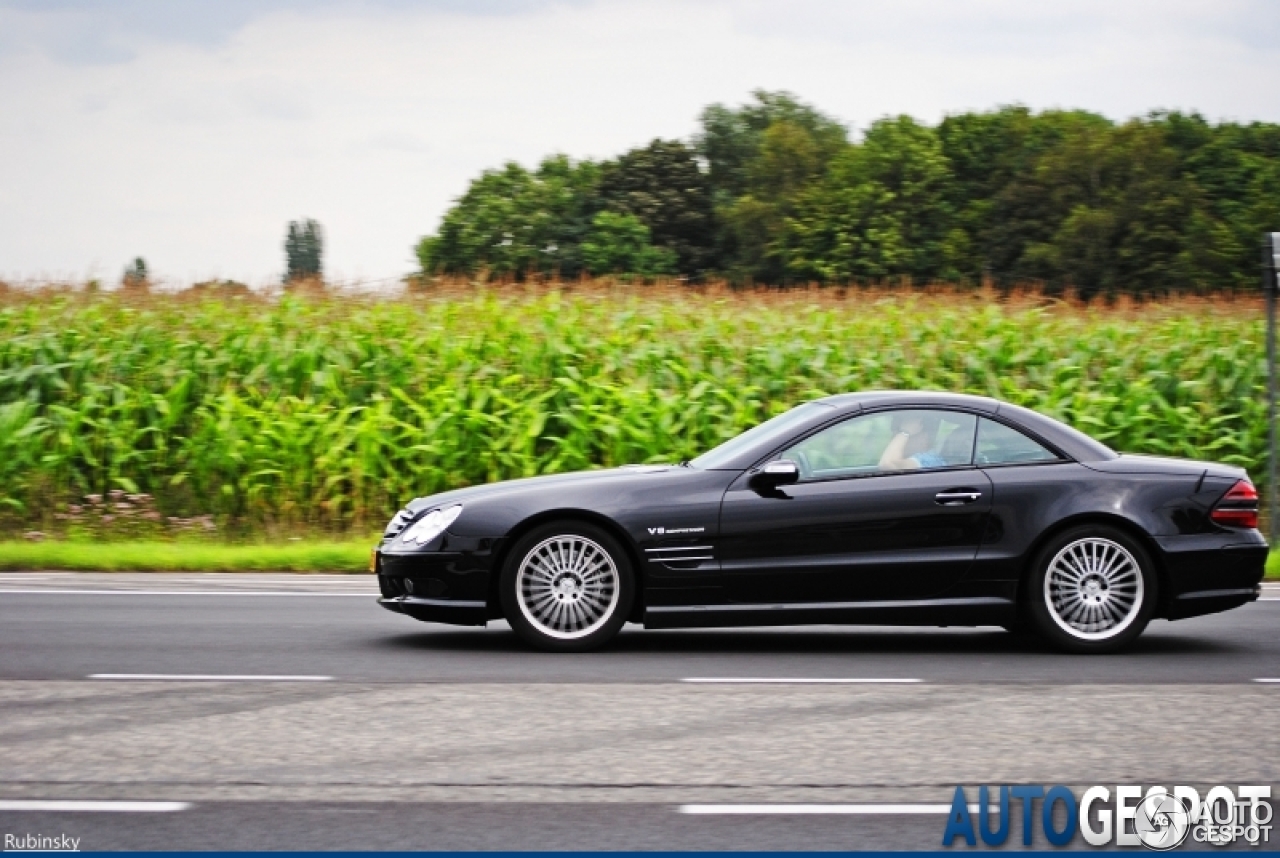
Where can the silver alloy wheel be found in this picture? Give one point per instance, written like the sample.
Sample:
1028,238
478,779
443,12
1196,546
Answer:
567,586
1093,588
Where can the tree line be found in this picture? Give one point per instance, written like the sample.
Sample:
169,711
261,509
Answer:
775,191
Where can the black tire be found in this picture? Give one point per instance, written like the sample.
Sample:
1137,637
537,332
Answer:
557,606
1101,593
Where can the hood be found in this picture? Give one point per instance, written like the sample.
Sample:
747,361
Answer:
507,487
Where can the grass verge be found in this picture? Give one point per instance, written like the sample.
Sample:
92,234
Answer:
302,556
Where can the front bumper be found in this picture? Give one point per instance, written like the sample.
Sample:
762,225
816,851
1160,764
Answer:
456,613
437,586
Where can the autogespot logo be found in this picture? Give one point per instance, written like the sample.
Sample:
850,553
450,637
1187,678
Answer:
1162,821
1157,818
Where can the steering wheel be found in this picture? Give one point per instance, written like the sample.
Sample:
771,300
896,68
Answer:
806,470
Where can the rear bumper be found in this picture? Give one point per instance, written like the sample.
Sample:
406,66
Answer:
1202,602
1212,573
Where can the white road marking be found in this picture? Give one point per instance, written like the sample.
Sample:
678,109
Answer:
760,680
209,677
818,809
94,806
1267,679
61,591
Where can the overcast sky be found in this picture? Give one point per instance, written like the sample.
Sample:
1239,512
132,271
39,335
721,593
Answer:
191,131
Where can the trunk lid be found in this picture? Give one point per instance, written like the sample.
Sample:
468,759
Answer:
1131,463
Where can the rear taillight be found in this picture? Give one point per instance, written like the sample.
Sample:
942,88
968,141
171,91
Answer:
1238,507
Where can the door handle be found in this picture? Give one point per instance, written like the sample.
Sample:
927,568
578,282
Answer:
956,497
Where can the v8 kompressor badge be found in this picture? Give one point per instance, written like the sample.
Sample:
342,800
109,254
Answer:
674,531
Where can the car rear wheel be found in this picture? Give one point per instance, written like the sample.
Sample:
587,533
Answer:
567,587
1092,590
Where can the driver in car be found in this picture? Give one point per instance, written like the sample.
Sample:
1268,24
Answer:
912,444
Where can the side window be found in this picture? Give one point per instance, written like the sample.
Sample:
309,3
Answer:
1000,445
904,440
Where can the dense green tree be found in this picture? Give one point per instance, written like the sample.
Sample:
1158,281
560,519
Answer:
663,186
1001,199
514,222
731,138
985,152
1236,169
1118,206
789,159
881,210
621,244
773,191
760,156
303,251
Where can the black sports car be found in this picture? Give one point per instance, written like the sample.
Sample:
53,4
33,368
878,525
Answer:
881,507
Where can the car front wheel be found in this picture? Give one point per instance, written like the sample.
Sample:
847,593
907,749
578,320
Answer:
567,587
1092,590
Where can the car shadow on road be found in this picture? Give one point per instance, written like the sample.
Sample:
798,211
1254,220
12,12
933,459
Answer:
792,640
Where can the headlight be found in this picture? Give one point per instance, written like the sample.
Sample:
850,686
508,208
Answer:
431,525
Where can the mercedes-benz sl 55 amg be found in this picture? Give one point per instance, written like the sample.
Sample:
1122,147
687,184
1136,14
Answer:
882,507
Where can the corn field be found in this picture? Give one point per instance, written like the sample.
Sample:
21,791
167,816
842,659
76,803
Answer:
326,413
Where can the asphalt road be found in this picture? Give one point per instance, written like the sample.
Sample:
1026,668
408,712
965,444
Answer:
351,727
67,626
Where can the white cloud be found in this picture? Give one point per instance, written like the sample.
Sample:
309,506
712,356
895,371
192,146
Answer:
370,118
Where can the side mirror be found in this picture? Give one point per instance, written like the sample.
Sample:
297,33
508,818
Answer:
780,472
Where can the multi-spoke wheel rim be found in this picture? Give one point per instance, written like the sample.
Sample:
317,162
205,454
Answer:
1093,588
567,586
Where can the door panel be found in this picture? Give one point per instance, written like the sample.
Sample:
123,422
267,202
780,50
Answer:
881,537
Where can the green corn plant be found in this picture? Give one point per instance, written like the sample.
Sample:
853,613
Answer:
325,413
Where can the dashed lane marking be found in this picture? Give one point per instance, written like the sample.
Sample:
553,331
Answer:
209,677
781,680
93,806
817,809
63,592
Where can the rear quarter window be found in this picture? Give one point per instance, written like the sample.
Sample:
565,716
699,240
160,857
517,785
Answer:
999,444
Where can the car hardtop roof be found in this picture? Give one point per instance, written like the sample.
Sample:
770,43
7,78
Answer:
869,399
1074,443
1070,442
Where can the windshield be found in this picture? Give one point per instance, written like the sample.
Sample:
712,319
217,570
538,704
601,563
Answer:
779,426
